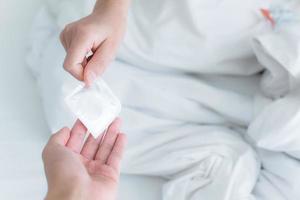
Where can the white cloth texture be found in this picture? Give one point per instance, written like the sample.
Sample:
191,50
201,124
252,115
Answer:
209,93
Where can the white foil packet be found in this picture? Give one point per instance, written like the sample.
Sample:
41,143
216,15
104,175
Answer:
96,106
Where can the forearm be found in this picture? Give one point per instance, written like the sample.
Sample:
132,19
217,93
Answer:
120,5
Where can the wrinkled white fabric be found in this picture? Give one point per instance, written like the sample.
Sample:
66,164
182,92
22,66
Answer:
215,159
279,177
96,106
209,94
279,53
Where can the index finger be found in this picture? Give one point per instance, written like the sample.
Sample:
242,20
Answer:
75,57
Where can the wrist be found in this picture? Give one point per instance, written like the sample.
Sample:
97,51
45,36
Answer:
63,192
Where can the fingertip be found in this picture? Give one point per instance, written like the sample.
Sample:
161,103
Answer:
115,125
123,135
63,41
93,69
123,138
79,126
118,121
61,37
77,135
63,130
89,78
62,136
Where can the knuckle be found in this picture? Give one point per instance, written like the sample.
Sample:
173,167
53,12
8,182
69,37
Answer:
67,27
61,36
83,29
114,43
65,66
45,152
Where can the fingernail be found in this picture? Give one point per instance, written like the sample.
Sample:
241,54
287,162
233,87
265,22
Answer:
91,78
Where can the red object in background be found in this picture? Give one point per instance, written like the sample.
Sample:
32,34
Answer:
267,14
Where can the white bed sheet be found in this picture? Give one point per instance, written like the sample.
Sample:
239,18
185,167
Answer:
23,130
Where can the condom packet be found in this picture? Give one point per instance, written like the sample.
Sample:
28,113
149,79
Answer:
95,106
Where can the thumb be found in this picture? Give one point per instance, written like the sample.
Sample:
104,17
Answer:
75,57
99,61
61,137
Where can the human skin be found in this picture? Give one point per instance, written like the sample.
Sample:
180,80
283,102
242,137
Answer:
80,171
101,33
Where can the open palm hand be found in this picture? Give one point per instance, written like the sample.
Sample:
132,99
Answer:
86,171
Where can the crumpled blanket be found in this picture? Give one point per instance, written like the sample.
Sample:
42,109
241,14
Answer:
220,128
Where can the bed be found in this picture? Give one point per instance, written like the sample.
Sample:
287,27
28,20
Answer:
23,129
